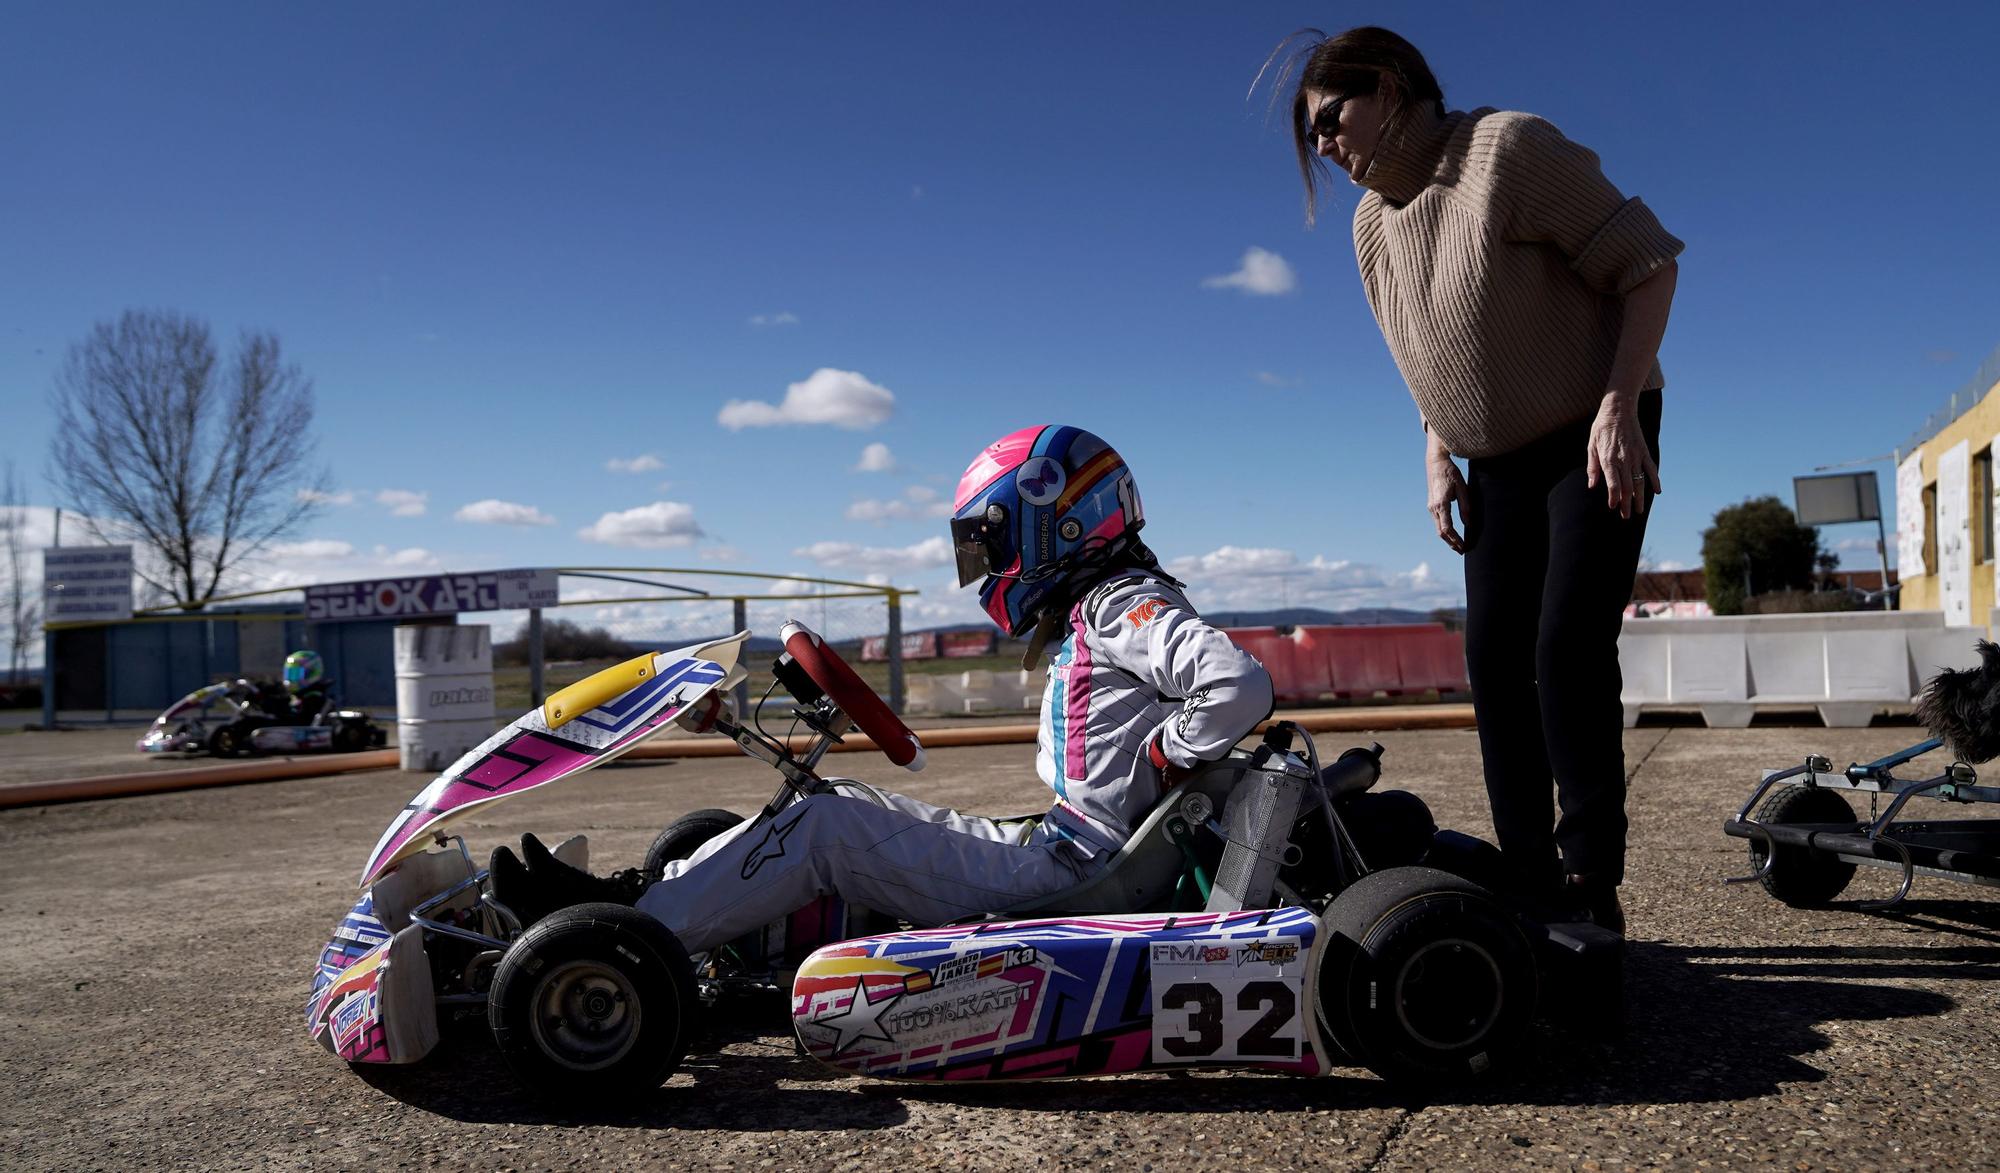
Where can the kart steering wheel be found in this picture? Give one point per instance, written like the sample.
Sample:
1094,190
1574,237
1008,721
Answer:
853,695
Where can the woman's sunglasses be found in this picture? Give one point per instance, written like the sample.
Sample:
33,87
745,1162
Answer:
1326,120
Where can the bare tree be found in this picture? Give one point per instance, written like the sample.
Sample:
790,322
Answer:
155,446
23,609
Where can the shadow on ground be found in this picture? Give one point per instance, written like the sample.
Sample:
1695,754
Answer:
1702,1024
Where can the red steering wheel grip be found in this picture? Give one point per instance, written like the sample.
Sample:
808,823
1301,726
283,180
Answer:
853,695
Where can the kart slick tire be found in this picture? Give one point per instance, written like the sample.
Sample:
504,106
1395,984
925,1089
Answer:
349,737
593,1004
684,836
1799,876
226,741
1425,977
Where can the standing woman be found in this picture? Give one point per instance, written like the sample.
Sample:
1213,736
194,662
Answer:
1524,298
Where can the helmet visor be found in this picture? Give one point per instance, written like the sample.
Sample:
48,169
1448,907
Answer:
971,542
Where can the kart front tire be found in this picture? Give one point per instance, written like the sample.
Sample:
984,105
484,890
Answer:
684,836
1799,876
1425,976
593,1004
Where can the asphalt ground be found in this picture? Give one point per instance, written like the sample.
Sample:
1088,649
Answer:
158,951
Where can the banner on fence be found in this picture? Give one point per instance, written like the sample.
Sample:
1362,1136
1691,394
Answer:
917,645
956,644
86,584
433,594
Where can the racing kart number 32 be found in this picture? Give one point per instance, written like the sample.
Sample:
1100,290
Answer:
1217,1001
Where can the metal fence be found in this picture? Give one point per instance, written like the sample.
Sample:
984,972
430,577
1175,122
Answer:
666,607
142,664
1961,401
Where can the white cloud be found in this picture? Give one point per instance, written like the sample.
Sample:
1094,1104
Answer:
643,463
851,556
1272,379
404,502
496,512
1262,272
720,554
312,548
660,526
339,497
781,318
1673,564
408,556
844,399
1250,578
918,502
876,458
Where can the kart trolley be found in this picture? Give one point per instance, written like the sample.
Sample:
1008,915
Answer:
1806,840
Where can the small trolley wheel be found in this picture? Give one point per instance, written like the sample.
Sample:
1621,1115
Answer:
1425,976
593,1003
683,836
1800,876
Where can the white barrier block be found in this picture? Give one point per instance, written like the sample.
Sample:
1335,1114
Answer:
1868,666
1932,652
1706,669
1642,661
1786,666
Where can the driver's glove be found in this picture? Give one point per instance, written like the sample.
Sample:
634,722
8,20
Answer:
701,716
1170,774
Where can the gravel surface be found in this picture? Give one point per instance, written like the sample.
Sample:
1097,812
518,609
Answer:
158,952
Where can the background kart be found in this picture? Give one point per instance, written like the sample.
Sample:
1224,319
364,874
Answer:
1238,927
245,716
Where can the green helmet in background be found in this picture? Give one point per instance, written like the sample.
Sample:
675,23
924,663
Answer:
303,670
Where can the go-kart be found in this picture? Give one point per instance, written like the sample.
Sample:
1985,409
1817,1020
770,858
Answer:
245,716
1238,927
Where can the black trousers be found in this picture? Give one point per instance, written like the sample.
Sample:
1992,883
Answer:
1548,571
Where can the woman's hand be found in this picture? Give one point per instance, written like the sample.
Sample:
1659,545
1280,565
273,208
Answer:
1447,485
1618,455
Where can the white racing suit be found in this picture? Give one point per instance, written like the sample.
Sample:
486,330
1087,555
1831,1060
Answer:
1137,663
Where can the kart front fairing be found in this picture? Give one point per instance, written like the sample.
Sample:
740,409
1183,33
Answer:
373,997
180,729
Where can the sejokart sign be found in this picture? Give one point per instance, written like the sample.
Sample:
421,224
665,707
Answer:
432,594
86,584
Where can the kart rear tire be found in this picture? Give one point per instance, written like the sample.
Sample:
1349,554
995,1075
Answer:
684,836
1425,977
593,1004
349,737
1801,877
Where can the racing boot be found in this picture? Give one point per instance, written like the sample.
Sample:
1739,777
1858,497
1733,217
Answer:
545,884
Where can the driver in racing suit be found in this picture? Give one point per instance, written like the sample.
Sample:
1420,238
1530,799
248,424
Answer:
1139,688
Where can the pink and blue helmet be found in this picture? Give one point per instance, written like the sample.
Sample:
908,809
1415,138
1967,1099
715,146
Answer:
1035,508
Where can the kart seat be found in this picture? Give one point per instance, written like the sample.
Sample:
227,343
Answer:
1144,871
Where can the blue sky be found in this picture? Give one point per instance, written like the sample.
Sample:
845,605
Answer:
514,243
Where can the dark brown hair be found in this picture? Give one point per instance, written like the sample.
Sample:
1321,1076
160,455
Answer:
1359,61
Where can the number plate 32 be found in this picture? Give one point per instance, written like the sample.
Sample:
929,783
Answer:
1229,1001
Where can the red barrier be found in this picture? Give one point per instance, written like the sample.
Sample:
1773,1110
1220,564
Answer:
1316,661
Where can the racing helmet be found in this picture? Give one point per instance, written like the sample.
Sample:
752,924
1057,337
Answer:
1037,510
303,669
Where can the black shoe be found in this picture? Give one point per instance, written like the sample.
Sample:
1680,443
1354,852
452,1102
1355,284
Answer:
545,884
1595,902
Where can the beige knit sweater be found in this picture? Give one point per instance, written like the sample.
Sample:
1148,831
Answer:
1496,257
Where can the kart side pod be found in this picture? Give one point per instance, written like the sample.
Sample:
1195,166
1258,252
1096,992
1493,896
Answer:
1065,997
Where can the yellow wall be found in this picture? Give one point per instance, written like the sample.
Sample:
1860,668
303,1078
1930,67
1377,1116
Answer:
1977,427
